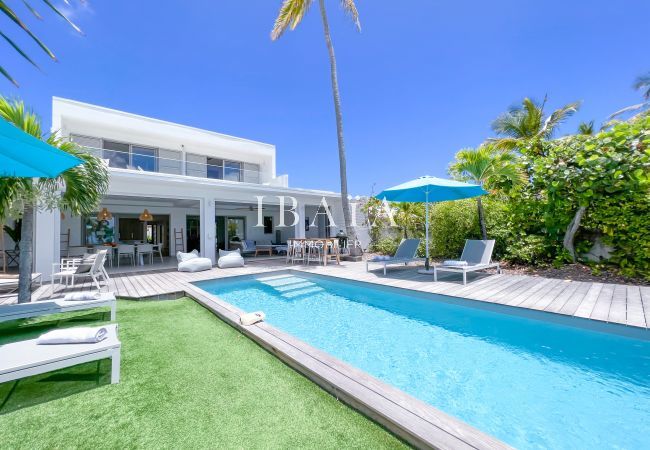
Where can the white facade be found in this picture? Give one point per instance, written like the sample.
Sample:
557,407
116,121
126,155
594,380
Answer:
178,172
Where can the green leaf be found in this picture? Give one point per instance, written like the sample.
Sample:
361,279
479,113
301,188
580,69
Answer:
18,49
8,77
14,18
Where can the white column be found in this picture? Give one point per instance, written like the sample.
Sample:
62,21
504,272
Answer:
47,241
299,228
208,228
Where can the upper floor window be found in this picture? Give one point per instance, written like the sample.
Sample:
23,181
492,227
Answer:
126,156
117,154
143,158
232,171
215,168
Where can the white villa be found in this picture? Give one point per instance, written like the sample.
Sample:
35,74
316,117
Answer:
201,187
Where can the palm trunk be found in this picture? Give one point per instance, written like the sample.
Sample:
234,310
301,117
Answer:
351,232
481,218
25,261
571,231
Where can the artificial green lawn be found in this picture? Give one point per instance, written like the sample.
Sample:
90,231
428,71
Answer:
188,381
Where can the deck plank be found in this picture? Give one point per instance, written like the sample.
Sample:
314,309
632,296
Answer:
558,302
645,301
576,298
618,307
635,315
603,303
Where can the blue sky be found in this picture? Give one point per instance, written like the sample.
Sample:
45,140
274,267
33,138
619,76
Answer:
423,79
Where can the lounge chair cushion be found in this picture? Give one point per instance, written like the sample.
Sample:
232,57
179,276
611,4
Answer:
454,263
228,259
86,263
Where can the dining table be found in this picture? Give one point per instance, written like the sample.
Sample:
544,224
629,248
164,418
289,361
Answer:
113,251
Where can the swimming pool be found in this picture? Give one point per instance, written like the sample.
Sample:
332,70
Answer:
531,383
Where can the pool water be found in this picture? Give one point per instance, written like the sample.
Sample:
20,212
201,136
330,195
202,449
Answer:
528,382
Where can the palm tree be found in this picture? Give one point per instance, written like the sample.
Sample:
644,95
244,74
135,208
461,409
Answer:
290,16
490,167
16,19
82,188
586,128
643,82
408,216
527,125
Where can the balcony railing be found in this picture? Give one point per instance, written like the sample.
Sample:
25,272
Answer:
151,160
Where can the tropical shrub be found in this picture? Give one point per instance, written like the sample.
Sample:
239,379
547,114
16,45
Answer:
600,184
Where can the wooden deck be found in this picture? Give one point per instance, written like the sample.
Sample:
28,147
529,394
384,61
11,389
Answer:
615,303
415,421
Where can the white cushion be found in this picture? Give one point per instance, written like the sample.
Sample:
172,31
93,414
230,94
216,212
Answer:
454,263
180,256
223,253
195,264
232,259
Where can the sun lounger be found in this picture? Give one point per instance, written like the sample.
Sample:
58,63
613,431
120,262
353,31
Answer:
26,358
9,284
36,309
405,254
477,255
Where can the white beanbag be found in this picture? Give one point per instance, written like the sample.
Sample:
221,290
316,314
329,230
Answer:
180,256
192,262
230,259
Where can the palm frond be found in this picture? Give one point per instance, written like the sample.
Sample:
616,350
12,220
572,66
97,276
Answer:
586,128
643,82
14,18
557,117
487,166
351,8
8,77
60,14
32,10
627,109
14,111
85,185
18,49
290,15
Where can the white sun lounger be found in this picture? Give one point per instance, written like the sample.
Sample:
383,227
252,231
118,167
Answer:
405,254
36,309
10,283
478,256
26,358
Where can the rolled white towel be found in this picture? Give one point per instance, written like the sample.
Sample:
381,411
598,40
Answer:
381,258
454,263
79,335
251,318
80,296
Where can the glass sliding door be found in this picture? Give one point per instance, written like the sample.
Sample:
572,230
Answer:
236,227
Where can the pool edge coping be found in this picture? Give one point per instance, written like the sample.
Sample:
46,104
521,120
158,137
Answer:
418,423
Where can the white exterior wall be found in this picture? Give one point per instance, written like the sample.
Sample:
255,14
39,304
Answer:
72,117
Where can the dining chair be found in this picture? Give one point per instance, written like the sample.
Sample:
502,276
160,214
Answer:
145,250
289,249
126,250
158,248
315,251
298,253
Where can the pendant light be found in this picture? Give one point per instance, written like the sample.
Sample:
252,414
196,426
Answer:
104,214
146,216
